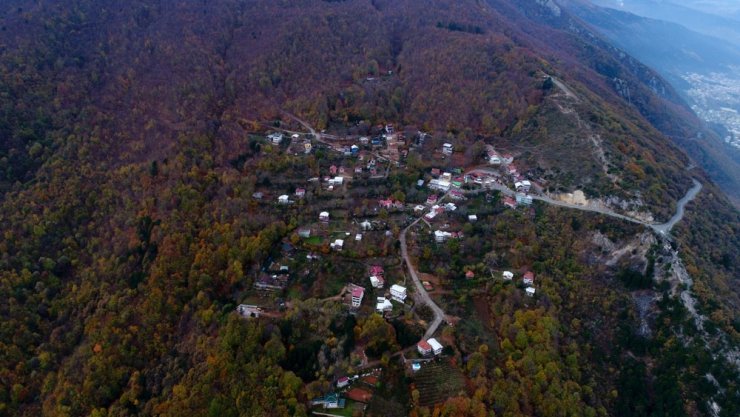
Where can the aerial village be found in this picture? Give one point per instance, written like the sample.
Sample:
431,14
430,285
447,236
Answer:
377,251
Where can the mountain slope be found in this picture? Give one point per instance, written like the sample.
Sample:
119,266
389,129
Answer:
131,226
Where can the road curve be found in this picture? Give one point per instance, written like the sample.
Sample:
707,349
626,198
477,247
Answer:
422,294
666,227
661,228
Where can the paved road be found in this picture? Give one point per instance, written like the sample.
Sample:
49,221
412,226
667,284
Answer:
422,294
661,228
666,227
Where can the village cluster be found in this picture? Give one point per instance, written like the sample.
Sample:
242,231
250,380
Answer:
392,295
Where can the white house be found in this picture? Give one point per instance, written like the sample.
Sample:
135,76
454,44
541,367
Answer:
447,149
324,216
336,181
383,305
275,138
508,276
523,185
436,346
249,311
377,281
284,199
398,293
358,237
337,245
472,218
357,294
424,348
441,236
440,184
307,147
494,159
530,291
366,225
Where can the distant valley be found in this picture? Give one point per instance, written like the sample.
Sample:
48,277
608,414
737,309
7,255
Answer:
697,50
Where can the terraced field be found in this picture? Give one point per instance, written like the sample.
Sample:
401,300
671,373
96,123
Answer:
437,381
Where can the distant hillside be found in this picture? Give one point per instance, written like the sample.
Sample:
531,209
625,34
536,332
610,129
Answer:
719,21
674,51
666,46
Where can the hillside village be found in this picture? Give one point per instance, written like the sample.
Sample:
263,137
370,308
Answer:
387,208
347,254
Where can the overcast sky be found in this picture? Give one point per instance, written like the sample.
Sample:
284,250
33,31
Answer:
713,6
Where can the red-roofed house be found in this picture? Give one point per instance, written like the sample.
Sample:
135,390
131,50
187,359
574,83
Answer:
376,270
424,347
300,192
357,294
432,199
470,275
359,395
457,195
371,380
342,382
436,172
512,169
510,202
528,278
386,203
333,170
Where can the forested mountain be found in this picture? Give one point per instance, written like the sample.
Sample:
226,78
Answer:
135,174
677,53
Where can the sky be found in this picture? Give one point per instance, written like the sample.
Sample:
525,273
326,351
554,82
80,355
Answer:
709,6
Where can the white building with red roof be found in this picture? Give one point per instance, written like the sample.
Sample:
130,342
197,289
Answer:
357,294
424,348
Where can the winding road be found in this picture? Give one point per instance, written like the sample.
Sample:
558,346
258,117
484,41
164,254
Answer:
661,228
422,294
439,314
666,227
